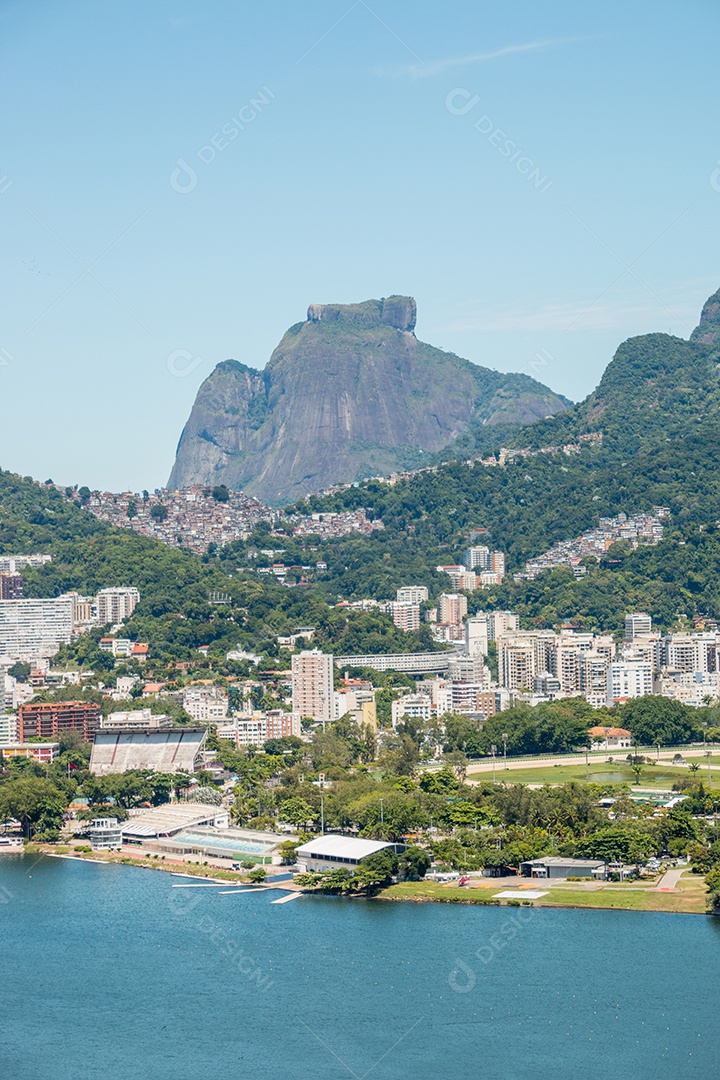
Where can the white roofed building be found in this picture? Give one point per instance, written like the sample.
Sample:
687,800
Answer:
331,852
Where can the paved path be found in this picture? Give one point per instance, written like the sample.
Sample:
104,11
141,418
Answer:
668,882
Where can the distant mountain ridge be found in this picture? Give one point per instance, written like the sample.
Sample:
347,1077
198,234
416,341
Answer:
347,394
655,387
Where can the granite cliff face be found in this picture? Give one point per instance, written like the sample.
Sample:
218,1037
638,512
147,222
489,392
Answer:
349,393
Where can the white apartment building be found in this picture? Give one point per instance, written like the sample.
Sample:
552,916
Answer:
419,706
116,605
628,679
13,564
313,685
477,558
34,628
406,616
637,624
460,576
476,635
206,705
360,704
452,608
521,656
688,652
517,665
8,730
469,669
412,594
501,622
256,729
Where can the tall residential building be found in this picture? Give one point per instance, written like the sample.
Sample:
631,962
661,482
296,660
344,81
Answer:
497,563
688,652
405,616
517,662
49,720
313,685
116,605
637,624
476,635
12,587
477,558
628,679
8,728
452,607
30,629
521,656
412,594
502,622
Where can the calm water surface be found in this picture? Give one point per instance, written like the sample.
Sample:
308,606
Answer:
108,973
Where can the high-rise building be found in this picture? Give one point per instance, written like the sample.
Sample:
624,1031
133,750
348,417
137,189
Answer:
476,635
501,622
452,607
688,652
313,685
497,563
412,594
47,721
628,679
477,558
30,629
637,624
405,616
116,605
12,587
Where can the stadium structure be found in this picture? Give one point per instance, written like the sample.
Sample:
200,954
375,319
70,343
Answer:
167,750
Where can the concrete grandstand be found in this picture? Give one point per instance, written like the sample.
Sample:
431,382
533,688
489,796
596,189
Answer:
169,751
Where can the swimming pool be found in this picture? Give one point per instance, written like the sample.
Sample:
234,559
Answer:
228,843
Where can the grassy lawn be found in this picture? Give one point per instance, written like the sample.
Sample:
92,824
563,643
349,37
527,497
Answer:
660,776
628,896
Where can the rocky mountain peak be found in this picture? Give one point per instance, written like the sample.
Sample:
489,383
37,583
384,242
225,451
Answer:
707,332
397,311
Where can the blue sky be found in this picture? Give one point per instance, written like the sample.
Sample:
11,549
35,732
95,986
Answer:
544,179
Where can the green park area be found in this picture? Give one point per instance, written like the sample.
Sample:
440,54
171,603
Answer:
660,776
689,897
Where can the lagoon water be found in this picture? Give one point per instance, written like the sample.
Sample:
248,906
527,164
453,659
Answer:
108,973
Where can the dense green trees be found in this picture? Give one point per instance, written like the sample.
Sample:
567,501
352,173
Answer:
38,804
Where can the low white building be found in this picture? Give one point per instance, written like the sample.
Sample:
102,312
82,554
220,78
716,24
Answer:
332,852
419,706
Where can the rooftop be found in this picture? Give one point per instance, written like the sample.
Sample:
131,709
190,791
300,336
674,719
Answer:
341,847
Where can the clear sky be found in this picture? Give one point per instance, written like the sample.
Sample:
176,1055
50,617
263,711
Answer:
543,178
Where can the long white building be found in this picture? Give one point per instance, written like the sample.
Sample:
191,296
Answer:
34,628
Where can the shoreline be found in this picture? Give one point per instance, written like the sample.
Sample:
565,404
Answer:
688,899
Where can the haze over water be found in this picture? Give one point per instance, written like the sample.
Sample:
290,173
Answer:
109,972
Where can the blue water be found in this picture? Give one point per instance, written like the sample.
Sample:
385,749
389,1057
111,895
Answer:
107,973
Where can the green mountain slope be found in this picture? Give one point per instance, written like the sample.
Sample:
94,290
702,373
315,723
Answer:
349,393
658,410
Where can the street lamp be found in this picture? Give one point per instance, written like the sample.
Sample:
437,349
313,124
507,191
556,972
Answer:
708,754
587,764
322,815
382,812
505,742
493,751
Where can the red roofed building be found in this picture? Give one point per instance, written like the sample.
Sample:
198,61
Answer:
610,738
